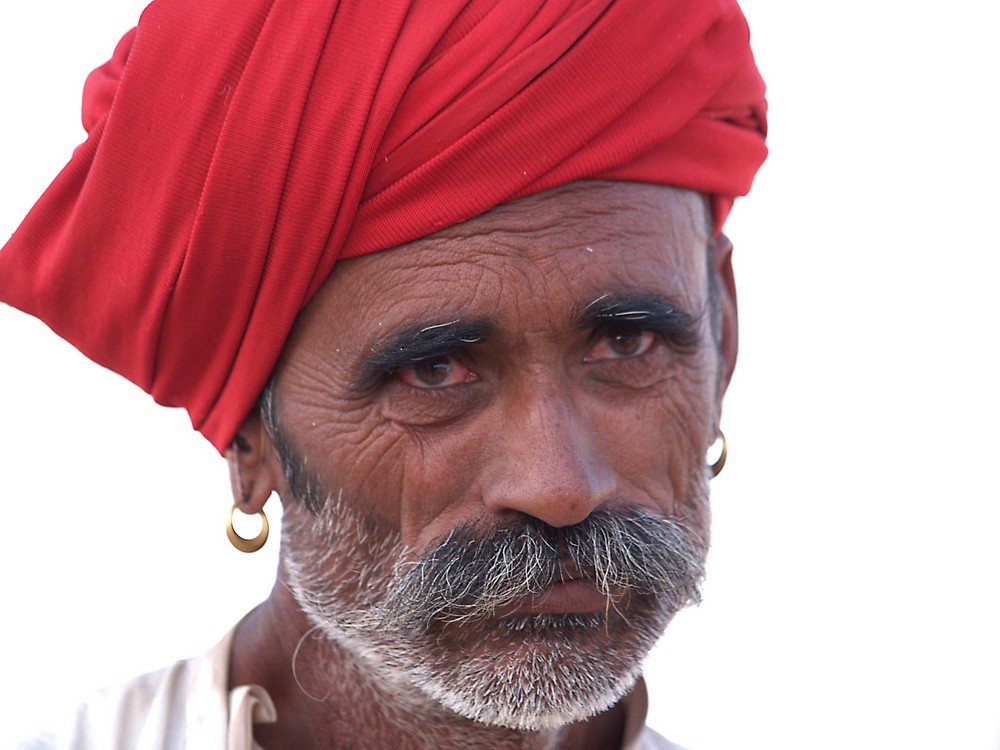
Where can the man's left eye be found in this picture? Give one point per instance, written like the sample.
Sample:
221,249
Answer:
436,372
620,345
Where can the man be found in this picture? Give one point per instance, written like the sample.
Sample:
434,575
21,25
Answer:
489,438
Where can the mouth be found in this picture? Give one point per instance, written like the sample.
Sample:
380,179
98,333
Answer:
572,597
569,594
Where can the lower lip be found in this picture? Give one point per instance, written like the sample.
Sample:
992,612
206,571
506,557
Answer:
566,598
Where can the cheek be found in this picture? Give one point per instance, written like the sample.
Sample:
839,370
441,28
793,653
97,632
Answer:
419,487
439,476
419,481
656,444
340,439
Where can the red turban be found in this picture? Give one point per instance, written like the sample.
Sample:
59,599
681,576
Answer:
238,148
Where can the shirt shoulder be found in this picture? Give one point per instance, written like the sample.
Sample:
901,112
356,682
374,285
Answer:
123,716
175,708
651,740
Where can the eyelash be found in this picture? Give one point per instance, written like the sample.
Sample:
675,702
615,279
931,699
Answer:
677,338
453,360
680,340
611,330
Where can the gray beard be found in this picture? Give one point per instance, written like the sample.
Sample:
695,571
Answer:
431,623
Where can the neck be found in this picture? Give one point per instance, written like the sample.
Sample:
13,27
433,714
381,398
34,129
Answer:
327,696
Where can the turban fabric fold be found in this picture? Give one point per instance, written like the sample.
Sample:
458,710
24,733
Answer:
237,148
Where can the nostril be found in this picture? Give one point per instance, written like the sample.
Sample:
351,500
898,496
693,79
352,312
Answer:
553,470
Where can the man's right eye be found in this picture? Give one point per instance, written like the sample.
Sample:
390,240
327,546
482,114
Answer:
436,372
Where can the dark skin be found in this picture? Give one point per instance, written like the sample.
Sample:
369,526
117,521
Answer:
550,357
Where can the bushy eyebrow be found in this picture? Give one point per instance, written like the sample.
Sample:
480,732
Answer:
649,311
428,339
416,343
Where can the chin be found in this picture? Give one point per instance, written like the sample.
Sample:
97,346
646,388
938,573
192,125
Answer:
520,666
527,673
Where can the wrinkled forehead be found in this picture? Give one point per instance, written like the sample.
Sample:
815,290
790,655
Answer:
678,215
558,249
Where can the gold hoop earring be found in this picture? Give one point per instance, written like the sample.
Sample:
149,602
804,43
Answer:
716,468
247,545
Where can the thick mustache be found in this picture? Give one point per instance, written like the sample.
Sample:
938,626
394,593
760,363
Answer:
471,574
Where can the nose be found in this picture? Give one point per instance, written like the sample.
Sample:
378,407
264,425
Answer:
545,462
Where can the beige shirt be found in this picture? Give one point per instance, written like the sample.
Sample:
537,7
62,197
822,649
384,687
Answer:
189,707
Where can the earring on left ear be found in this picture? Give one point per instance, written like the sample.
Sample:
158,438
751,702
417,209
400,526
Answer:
716,466
241,543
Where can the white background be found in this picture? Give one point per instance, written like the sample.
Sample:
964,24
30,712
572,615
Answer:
853,596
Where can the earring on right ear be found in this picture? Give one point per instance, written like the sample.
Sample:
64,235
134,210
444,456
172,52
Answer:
241,543
716,466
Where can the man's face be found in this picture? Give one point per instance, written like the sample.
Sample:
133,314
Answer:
501,432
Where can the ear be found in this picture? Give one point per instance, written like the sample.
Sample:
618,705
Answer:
722,259
254,472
